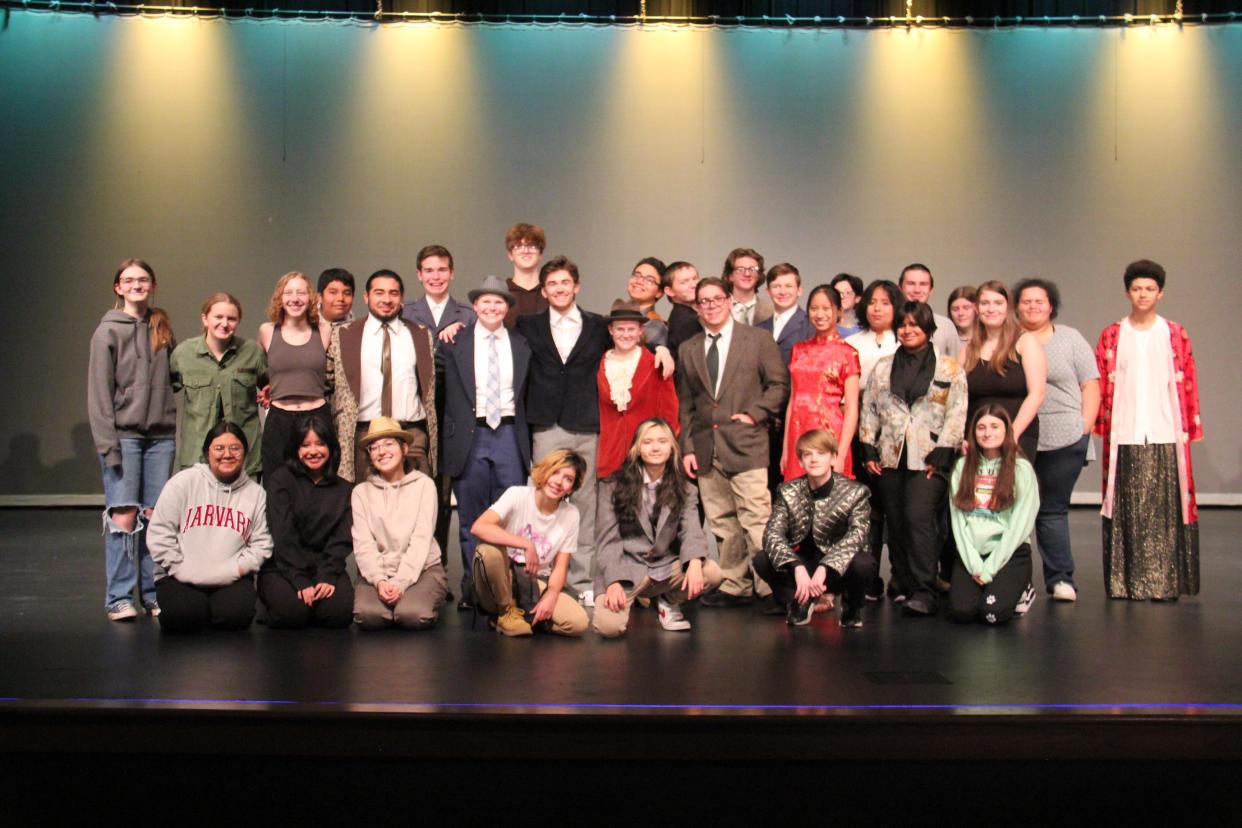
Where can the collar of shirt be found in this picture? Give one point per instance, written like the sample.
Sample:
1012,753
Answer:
726,336
374,327
573,316
437,307
780,319
481,334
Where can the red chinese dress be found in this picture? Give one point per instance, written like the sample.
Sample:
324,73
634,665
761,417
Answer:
818,369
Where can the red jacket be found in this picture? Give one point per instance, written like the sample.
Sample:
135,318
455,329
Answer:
650,396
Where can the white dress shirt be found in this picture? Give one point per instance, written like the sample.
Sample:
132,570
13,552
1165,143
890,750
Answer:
437,311
780,319
871,351
405,402
722,349
565,330
1142,411
505,351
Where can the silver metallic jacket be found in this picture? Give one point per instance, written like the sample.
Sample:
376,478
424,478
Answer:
839,522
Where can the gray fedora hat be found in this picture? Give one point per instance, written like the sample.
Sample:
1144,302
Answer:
494,285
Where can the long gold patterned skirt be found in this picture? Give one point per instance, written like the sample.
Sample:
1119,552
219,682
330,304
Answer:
1148,551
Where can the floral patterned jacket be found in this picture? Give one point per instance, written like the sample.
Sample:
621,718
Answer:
1185,407
937,420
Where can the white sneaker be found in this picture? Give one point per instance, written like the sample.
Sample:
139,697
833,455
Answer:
587,598
122,611
1025,602
672,618
1063,591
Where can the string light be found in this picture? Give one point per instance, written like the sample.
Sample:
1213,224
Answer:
384,17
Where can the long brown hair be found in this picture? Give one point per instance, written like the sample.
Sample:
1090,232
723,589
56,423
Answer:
1007,345
157,318
1002,493
627,494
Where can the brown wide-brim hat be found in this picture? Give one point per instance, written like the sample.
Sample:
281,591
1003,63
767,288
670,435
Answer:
495,286
382,427
626,311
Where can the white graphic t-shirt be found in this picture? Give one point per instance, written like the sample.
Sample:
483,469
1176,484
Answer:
552,534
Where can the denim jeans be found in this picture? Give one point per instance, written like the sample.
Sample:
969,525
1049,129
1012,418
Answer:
1057,472
146,464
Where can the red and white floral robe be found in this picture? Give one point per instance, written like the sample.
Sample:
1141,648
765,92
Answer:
1184,398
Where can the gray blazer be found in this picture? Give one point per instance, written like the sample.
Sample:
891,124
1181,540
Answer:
420,312
626,560
755,382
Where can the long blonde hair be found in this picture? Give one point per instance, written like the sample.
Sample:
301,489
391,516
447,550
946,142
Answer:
157,318
1006,346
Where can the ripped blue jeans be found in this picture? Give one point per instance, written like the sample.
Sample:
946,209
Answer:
146,464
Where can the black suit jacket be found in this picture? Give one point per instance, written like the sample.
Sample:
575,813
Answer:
419,311
564,393
683,323
455,375
798,328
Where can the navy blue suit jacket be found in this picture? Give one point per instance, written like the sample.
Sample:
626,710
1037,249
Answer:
420,312
455,377
796,329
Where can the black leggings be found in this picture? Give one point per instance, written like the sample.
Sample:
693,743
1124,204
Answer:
189,608
287,611
994,603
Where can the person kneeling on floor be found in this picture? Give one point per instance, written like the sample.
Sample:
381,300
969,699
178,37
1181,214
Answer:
995,500
527,538
649,539
208,536
816,539
401,579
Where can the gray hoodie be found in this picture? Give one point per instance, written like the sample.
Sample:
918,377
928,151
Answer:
129,391
207,533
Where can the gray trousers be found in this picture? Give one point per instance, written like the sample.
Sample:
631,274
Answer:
417,609
582,564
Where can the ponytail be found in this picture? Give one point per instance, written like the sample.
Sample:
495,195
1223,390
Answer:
161,329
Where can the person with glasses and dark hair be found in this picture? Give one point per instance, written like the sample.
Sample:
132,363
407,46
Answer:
743,268
731,383
304,583
208,537
524,245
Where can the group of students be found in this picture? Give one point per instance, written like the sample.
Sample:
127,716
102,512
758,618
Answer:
587,454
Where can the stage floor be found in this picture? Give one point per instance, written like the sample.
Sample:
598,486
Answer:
1062,668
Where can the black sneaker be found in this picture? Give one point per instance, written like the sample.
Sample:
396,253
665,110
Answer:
875,590
851,616
768,605
723,600
799,615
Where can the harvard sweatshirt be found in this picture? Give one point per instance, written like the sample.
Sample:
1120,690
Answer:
207,533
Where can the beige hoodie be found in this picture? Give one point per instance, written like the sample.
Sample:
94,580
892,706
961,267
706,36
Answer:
393,529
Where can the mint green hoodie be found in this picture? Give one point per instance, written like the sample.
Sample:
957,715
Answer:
986,540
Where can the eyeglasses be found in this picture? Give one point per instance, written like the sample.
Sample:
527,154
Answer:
746,270
524,248
130,281
643,277
227,451
386,444
712,303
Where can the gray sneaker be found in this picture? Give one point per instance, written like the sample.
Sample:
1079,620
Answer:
122,611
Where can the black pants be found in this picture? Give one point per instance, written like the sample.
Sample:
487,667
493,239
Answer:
289,612
189,608
858,575
278,431
912,505
994,603
875,533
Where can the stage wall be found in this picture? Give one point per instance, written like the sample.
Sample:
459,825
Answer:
229,153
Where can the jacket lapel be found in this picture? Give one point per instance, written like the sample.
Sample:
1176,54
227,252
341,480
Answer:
588,328
424,360
465,363
351,354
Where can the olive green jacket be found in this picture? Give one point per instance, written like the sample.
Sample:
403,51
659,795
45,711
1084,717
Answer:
213,390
